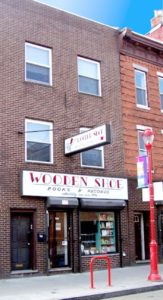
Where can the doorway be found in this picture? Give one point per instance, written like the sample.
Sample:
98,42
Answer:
59,246
21,241
160,235
142,236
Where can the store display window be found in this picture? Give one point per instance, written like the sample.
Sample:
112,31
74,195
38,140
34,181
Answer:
98,232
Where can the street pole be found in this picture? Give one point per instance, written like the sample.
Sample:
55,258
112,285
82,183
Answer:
154,275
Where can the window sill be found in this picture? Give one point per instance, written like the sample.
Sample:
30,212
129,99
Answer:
93,167
93,95
38,162
143,107
38,83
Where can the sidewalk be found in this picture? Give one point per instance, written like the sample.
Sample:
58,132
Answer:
124,281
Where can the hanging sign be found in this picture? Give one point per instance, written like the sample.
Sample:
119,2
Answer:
88,139
142,175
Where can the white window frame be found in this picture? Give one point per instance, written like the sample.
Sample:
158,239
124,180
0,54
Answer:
160,78
40,65
101,149
98,75
50,143
143,71
140,129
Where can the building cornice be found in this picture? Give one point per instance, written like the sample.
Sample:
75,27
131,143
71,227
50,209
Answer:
140,46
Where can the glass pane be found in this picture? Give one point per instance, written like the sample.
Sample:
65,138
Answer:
36,55
88,69
97,232
37,73
58,239
140,79
161,85
141,97
87,85
162,102
142,148
92,158
38,152
38,132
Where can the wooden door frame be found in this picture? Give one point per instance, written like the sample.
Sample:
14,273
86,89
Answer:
68,233
31,213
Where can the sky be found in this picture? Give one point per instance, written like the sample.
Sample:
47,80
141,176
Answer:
134,14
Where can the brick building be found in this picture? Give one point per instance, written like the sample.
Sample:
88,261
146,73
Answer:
141,64
62,75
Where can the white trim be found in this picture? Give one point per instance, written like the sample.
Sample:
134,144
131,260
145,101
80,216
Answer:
160,74
74,14
143,106
98,74
49,67
161,131
142,127
155,28
144,88
160,79
142,237
50,124
141,68
65,239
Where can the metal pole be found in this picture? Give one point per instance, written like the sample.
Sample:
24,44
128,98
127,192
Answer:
154,275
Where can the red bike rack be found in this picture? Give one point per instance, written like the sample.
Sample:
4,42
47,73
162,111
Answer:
91,268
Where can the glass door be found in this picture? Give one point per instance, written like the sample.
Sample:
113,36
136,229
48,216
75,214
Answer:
58,239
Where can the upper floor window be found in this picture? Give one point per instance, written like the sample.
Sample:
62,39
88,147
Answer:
38,141
141,88
142,148
93,158
161,91
89,77
38,64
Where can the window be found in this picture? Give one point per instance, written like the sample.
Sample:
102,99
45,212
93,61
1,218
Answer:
161,91
38,139
142,148
141,89
38,64
89,77
93,157
98,232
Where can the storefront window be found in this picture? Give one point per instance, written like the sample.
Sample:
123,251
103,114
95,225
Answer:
98,234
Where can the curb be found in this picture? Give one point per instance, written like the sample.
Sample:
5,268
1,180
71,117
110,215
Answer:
117,293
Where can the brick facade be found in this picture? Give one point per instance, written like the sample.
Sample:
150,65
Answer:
145,54
68,36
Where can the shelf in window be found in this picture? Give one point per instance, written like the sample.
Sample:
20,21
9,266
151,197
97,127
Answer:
107,244
88,242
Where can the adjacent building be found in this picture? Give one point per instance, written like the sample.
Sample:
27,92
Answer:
141,63
67,84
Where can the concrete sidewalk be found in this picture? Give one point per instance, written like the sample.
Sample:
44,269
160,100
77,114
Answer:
124,281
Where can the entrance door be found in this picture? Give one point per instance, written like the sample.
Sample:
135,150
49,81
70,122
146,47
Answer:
21,241
58,239
141,223
160,235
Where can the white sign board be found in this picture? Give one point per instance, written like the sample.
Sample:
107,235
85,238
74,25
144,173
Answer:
43,184
89,139
157,190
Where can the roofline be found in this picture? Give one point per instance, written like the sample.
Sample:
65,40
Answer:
76,15
142,39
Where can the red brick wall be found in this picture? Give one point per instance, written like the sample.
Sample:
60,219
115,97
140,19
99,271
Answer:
132,115
68,36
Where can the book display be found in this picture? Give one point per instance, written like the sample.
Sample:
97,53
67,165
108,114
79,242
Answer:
98,236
